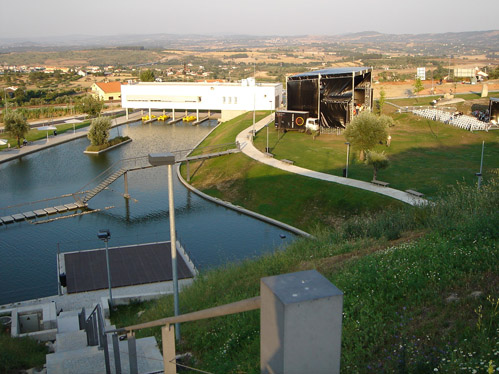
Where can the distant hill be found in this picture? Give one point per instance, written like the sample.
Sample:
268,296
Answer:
483,40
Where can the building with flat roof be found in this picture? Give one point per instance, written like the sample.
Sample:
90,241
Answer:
232,99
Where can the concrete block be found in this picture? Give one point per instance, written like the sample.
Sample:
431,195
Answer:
300,324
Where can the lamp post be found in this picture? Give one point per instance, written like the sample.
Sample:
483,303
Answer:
168,159
479,175
267,149
348,158
105,235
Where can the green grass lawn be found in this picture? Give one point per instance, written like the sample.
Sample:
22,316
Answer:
34,134
299,201
424,155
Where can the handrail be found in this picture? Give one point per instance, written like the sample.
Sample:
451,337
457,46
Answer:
91,313
221,310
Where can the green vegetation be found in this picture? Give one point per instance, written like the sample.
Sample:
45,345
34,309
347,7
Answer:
89,105
378,161
34,135
16,125
293,199
366,131
147,76
110,143
98,134
20,353
420,291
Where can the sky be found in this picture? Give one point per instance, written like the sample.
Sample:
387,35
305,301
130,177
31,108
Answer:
46,18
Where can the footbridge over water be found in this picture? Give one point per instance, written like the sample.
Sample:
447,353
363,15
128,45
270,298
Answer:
101,182
123,167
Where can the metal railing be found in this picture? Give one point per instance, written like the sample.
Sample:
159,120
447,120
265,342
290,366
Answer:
96,335
168,331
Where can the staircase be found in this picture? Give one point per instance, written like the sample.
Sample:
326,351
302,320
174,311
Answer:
106,182
74,356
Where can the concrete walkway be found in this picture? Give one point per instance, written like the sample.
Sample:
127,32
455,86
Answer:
245,139
13,153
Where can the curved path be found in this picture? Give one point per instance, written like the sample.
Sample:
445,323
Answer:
246,141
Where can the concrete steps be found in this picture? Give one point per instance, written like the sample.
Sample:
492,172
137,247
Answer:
90,360
70,341
73,356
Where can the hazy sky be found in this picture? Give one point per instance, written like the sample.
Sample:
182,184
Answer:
31,18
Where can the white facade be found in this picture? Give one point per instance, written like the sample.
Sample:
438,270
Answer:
227,97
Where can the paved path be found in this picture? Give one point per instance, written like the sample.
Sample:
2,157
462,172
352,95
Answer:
13,153
246,140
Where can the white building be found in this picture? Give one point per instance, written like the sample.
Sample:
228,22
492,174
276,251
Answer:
232,99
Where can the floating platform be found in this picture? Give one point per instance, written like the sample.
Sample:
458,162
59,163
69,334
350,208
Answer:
29,215
61,208
18,217
40,213
129,265
50,210
7,219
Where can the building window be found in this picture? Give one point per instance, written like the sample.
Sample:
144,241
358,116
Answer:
223,99
230,100
235,100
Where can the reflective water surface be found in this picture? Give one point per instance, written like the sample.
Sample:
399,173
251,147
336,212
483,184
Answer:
212,235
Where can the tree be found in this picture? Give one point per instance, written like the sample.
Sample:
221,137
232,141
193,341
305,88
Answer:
381,100
98,133
89,105
418,86
365,131
17,125
378,161
147,76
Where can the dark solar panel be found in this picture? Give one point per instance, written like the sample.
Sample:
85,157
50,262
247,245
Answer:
146,263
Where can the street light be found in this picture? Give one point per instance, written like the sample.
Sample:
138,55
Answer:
479,175
105,235
159,159
267,149
348,158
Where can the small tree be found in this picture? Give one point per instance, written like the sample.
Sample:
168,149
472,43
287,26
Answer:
17,125
147,76
381,100
98,133
418,86
90,105
378,161
365,131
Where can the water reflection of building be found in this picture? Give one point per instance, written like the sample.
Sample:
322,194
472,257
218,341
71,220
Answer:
232,99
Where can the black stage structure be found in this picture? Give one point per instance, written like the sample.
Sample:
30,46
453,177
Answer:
332,95
494,109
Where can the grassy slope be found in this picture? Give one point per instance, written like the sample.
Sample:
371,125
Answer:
296,200
397,316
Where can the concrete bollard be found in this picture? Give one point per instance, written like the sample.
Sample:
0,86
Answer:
300,324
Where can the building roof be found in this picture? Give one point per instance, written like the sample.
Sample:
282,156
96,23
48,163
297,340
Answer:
109,87
346,71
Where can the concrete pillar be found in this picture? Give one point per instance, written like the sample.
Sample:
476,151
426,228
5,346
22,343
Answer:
173,114
300,324
126,113
197,114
